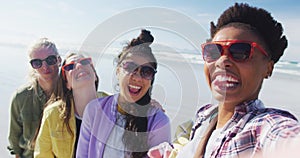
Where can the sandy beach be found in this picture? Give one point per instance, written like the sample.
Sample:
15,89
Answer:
179,86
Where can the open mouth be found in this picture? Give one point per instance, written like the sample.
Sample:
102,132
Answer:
226,82
134,90
81,74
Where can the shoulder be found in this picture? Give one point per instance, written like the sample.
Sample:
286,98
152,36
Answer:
157,118
23,91
53,109
20,97
100,103
157,113
273,115
101,94
273,120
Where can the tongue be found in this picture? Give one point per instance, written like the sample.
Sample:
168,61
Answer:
133,90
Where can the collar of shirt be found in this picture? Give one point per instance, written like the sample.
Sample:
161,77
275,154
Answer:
210,111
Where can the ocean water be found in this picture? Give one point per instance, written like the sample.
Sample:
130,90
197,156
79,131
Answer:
179,84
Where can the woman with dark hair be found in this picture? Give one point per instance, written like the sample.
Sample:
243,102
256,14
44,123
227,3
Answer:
244,46
60,124
125,124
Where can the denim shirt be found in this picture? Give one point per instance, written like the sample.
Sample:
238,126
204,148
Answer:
26,109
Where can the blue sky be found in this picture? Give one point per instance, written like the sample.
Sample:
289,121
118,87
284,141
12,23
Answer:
69,22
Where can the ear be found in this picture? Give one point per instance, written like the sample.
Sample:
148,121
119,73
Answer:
270,67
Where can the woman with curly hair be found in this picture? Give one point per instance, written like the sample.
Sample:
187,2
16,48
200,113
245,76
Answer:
244,46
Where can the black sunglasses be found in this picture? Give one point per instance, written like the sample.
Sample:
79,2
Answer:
146,72
239,50
37,63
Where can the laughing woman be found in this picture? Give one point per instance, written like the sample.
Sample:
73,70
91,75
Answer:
125,125
59,128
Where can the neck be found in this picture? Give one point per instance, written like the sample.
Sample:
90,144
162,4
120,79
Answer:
82,97
224,115
47,86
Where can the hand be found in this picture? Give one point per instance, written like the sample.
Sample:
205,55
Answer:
155,103
163,150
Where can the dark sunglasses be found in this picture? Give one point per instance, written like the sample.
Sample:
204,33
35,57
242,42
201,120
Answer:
146,72
71,65
37,63
239,50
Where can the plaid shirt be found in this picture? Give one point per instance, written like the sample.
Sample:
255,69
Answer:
252,131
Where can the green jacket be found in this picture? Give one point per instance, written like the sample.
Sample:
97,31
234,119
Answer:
26,109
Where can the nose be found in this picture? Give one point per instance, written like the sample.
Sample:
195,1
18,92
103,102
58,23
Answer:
45,65
77,65
136,75
224,60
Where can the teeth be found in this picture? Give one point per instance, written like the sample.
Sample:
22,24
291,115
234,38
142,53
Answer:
229,85
135,87
226,78
81,74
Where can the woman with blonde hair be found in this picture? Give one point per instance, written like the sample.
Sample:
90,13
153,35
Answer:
28,102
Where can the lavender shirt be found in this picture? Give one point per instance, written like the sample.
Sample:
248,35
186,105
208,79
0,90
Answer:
99,119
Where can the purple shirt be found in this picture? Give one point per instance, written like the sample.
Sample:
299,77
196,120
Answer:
99,119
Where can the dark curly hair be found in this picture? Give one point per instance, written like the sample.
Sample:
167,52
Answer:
261,20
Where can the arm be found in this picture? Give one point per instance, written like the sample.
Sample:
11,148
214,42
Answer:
160,130
16,127
43,146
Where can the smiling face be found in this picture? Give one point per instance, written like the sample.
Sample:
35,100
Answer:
81,75
132,85
234,82
46,73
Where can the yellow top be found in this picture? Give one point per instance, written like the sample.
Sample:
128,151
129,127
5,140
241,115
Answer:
53,138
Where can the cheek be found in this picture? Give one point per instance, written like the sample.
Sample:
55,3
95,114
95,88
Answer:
251,75
207,69
56,69
255,68
147,84
122,80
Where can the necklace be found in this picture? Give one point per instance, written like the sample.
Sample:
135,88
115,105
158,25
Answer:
120,110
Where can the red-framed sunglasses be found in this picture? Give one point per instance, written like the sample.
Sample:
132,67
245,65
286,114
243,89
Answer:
71,65
239,50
